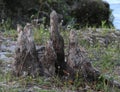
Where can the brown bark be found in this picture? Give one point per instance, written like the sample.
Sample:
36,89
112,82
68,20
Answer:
26,57
58,43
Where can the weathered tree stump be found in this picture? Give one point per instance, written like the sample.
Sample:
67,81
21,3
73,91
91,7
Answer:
26,57
78,61
58,43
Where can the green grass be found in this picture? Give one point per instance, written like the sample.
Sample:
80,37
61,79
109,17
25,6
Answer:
11,33
103,58
41,35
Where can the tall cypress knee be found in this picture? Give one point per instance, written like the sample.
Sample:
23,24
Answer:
58,43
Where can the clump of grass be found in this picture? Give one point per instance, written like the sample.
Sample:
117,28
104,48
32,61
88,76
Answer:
11,33
41,35
9,55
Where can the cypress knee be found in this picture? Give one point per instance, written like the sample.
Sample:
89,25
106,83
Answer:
58,43
26,57
78,61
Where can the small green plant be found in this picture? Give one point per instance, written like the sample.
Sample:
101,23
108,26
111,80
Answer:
104,24
11,33
6,25
41,35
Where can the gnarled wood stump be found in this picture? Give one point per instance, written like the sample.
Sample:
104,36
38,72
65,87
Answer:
78,61
26,57
58,43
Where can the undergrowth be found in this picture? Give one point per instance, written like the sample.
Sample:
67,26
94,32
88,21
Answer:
106,59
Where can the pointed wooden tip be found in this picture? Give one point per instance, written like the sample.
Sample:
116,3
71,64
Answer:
73,36
53,13
19,28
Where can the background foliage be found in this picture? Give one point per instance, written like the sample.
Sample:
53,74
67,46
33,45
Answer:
78,13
